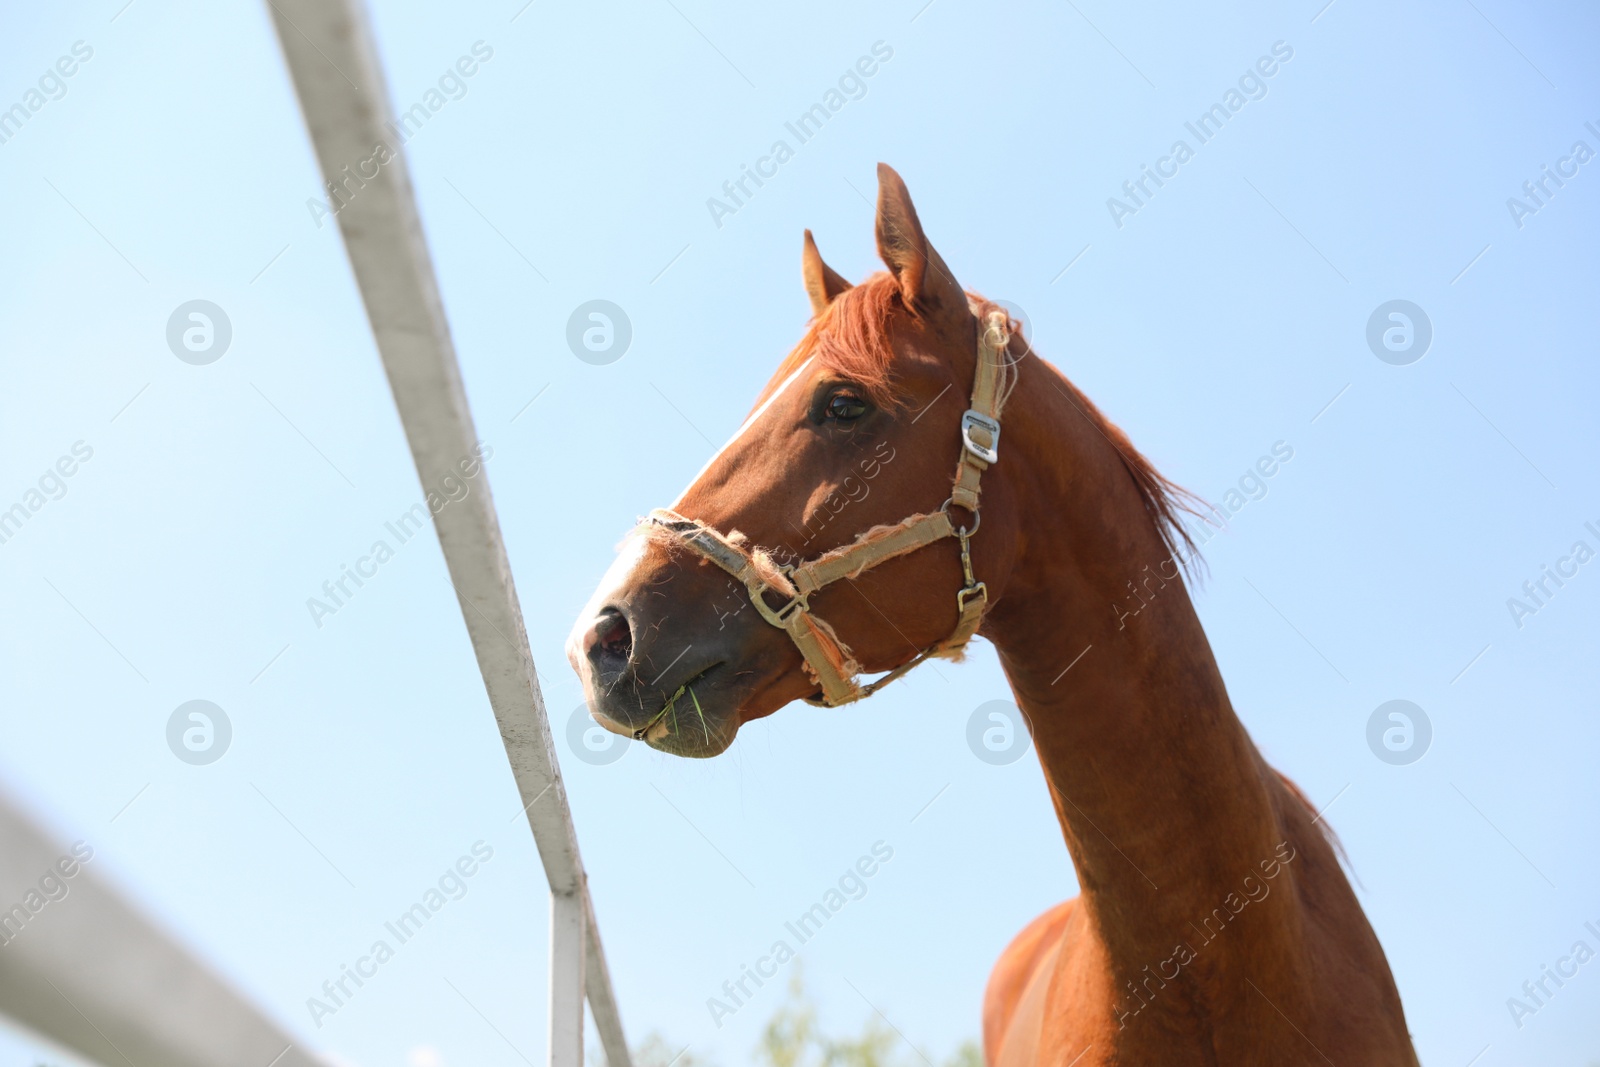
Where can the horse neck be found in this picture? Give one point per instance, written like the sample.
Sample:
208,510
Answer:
1164,801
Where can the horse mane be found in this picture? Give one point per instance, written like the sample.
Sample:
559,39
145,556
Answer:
1328,833
1165,501
851,338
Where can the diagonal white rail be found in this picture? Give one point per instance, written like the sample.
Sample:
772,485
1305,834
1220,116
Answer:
86,970
334,66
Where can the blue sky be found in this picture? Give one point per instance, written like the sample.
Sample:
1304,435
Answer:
1229,313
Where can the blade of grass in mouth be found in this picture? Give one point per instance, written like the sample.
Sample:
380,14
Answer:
702,715
671,706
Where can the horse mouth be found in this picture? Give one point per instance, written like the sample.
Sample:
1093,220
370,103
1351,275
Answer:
679,711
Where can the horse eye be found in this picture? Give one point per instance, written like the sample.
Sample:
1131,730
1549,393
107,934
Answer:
845,407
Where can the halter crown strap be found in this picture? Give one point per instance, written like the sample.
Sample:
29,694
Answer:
980,424
825,656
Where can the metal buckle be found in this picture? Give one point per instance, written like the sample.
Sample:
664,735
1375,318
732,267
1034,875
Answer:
778,617
973,417
979,590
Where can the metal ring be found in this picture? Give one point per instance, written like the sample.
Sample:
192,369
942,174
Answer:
977,516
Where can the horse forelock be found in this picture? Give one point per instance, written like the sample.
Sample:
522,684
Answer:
851,339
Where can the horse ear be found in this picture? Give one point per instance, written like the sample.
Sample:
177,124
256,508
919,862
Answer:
823,283
926,284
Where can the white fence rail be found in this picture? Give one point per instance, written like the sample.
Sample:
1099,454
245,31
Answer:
334,65
90,973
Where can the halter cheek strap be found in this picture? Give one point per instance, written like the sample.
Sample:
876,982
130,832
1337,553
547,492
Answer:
826,658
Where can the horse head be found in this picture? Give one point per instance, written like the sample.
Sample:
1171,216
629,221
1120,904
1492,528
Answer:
829,536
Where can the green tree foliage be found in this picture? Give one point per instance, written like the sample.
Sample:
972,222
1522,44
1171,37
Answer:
794,1038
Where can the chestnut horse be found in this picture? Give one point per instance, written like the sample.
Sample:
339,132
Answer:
1214,924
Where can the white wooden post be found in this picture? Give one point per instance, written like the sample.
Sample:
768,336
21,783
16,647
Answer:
568,941
333,63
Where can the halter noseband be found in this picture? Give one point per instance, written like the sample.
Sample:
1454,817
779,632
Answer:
825,656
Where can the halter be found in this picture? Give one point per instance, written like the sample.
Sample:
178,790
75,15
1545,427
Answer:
825,656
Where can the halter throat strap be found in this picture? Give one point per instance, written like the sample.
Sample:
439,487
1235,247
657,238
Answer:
826,658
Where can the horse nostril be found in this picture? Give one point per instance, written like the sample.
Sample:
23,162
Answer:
609,639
